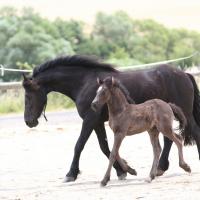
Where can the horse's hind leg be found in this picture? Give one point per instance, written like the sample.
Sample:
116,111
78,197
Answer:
156,151
196,136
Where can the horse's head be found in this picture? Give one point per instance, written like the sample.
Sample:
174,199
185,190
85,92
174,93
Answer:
103,93
35,101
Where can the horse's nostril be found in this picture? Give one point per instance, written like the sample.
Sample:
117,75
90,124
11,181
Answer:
32,123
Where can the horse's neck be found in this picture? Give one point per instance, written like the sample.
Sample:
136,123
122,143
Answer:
117,103
67,84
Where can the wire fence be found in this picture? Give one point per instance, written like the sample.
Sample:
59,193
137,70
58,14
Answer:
15,85
3,69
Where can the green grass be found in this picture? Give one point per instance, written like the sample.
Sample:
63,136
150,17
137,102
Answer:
13,102
57,101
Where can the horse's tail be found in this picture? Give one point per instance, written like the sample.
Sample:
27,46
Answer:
179,115
196,103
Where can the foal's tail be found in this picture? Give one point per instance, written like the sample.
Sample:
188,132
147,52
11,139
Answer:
179,115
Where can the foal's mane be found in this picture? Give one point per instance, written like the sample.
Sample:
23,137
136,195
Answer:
74,61
125,92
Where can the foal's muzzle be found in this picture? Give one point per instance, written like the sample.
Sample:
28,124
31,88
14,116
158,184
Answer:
95,106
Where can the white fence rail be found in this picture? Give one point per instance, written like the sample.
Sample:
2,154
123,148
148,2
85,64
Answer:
16,85
3,69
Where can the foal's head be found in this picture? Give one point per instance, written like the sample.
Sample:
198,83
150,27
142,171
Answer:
105,90
35,101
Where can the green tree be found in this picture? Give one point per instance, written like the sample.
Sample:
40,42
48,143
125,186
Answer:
30,39
112,32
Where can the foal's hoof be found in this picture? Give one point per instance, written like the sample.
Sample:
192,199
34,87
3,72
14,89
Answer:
69,179
160,172
104,182
122,176
187,168
132,171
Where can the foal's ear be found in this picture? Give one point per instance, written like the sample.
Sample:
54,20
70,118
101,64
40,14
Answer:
113,81
99,81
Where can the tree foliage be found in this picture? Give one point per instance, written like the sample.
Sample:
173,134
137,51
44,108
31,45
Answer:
27,40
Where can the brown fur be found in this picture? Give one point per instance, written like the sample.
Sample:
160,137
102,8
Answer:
153,116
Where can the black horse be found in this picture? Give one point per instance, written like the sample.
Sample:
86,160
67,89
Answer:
75,77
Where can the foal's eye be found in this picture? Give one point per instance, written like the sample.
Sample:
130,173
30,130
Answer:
103,92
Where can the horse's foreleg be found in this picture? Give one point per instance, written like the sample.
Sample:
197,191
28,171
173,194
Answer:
117,142
164,162
103,142
87,127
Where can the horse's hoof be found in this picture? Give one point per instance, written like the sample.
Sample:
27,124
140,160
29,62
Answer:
132,171
160,172
122,176
69,179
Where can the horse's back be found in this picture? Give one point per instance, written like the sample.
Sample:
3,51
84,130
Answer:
162,82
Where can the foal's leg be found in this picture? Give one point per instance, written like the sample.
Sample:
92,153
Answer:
178,141
118,137
103,142
156,151
125,166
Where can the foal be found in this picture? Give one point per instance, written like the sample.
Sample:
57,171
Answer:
153,116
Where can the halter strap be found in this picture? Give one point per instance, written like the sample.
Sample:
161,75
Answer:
43,113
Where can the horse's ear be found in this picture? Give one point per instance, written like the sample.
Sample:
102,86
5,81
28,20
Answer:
99,81
24,76
30,83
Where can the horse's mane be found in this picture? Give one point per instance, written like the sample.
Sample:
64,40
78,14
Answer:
74,61
125,92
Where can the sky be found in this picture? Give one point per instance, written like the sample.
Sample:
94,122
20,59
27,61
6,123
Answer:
172,13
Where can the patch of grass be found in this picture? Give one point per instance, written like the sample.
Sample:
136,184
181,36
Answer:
10,104
57,101
12,101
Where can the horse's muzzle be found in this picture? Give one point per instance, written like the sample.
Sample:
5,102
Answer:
32,123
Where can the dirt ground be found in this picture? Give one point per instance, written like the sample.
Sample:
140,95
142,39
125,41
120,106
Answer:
33,164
